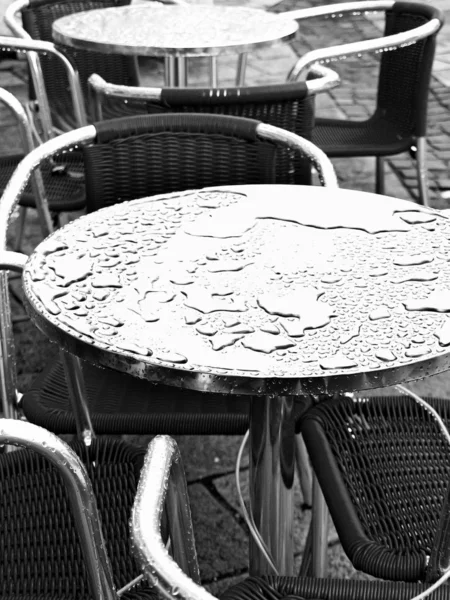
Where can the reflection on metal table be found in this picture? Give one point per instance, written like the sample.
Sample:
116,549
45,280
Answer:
176,32
272,291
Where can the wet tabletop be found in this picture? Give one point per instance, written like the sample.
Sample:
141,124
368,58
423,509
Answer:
156,29
258,288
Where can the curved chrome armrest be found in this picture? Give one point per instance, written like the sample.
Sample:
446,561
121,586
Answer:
81,497
381,44
100,86
29,163
324,79
12,261
306,148
338,10
162,481
12,19
29,45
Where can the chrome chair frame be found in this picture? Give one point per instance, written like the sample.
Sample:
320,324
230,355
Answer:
24,43
324,79
333,53
28,145
380,44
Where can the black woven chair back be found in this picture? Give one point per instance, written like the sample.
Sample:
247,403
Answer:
405,72
286,105
48,561
38,18
384,468
145,155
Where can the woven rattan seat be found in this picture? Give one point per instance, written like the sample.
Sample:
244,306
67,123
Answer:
308,588
383,466
41,555
140,156
399,122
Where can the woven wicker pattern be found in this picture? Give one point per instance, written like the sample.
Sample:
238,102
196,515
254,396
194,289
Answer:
384,468
64,193
276,588
287,106
120,403
41,555
38,18
401,111
174,154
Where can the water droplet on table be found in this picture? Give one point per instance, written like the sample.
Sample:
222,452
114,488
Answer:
266,342
382,312
438,300
338,361
385,355
409,260
443,334
106,280
224,340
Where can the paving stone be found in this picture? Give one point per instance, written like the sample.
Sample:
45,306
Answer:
222,544
207,455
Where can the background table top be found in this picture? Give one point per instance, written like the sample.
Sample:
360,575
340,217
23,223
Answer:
252,289
155,29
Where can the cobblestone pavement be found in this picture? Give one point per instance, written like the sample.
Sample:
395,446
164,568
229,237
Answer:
220,530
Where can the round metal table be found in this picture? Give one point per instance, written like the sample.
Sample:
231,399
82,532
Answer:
272,291
173,31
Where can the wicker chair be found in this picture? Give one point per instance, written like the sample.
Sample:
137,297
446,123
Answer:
52,543
400,118
286,105
50,78
161,463
63,192
383,465
156,154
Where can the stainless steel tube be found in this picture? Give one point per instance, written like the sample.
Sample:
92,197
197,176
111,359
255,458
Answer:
272,465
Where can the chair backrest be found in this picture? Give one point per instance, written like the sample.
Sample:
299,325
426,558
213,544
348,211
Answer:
405,72
38,18
287,105
383,465
154,154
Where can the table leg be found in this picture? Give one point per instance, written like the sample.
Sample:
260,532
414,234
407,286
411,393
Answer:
242,65
78,397
169,71
272,464
213,77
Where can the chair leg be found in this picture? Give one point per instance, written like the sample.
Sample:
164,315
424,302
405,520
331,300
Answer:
20,228
303,470
422,173
379,175
320,517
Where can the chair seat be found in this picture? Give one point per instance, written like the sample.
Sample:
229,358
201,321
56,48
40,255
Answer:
373,137
122,404
64,192
41,555
308,588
